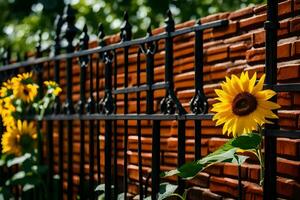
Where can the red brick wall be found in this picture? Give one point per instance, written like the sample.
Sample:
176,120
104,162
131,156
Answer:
238,47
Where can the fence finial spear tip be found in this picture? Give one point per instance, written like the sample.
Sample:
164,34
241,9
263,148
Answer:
198,22
58,20
69,13
169,13
149,30
126,32
125,16
170,24
85,29
101,33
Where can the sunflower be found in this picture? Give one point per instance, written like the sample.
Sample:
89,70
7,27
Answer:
53,87
6,109
243,105
25,78
20,138
6,89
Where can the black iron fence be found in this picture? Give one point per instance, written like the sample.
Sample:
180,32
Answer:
93,110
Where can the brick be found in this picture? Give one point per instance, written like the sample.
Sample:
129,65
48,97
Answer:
242,13
295,24
225,31
284,99
210,18
296,7
259,38
296,100
218,71
235,70
288,188
216,169
255,55
288,118
283,51
201,180
231,170
195,193
288,72
288,147
295,48
288,168
245,37
253,172
284,28
217,57
185,24
208,195
237,50
256,20
253,192
260,9
215,143
259,69
224,186
285,8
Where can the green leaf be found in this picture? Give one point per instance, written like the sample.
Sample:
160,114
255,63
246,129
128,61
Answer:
185,170
27,187
239,159
121,196
246,142
226,153
101,197
165,190
101,188
5,193
23,178
18,160
2,163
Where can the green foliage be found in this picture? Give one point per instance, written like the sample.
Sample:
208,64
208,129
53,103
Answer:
22,20
226,153
165,190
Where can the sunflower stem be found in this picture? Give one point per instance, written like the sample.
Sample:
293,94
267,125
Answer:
261,159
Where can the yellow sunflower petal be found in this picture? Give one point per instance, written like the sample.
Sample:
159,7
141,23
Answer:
259,85
265,94
252,82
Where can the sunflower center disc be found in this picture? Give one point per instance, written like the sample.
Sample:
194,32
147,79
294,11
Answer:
244,104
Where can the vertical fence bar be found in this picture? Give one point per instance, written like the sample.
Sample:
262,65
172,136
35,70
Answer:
49,128
149,50
107,107
271,26
198,103
84,42
50,156
139,132
39,71
101,36
91,110
57,48
71,30
125,36
181,152
115,127
155,159
57,104
170,103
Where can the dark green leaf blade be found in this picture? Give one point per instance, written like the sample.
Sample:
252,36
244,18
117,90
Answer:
246,142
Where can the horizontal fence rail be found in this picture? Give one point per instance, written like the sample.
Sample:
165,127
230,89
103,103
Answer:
97,106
